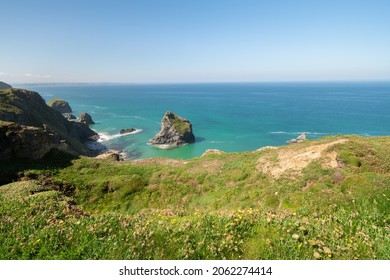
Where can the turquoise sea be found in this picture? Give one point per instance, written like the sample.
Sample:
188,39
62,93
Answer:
230,117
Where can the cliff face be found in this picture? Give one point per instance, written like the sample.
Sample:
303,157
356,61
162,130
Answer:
29,128
175,131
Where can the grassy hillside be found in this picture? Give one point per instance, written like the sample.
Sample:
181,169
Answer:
322,199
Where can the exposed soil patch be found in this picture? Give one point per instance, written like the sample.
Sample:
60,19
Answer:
295,160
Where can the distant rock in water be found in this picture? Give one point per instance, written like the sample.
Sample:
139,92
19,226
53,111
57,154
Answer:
86,119
4,85
127,130
300,138
175,131
60,106
29,128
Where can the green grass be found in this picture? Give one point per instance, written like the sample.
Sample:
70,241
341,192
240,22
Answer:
5,107
180,125
56,101
213,207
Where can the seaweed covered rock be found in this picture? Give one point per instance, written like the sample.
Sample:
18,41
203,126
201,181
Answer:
175,131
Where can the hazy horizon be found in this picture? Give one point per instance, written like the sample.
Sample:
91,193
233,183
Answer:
154,42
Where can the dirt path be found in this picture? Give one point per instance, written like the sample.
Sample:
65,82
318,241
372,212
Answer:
295,160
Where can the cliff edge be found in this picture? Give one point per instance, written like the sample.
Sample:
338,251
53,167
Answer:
29,128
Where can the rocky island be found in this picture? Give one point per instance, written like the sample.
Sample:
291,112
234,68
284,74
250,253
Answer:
127,130
175,131
29,128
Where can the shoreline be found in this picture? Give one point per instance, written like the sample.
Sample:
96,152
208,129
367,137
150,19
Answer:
100,149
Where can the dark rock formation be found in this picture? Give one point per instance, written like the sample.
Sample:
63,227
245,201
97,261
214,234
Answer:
4,85
86,119
175,131
29,128
69,116
300,138
127,130
60,106
33,142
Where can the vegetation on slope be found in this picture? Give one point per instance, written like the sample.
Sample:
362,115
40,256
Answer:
213,207
25,118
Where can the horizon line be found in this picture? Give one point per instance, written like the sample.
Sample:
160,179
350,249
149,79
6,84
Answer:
203,82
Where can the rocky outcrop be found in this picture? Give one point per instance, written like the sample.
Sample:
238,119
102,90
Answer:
69,116
30,129
115,156
299,139
86,119
4,85
127,130
60,106
175,131
33,142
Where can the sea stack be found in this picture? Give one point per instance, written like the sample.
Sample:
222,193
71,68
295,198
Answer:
175,131
60,106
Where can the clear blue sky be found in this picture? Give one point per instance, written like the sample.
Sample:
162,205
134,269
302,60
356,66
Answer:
142,41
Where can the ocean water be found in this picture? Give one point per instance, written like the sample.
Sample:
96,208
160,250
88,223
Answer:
230,117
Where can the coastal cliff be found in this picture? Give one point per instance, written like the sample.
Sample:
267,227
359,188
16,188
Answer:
29,128
60,106
175,131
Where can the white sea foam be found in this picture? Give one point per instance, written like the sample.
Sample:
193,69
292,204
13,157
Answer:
103,137
92,106
299,133
165,146
138,117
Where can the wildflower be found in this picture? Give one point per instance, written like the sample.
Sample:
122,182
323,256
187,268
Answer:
316,255
295,236
327,250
